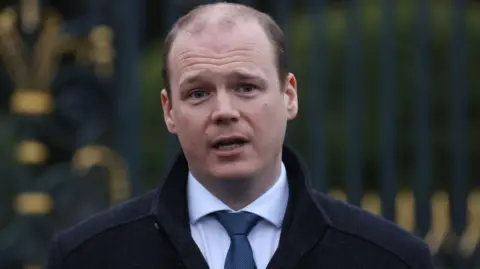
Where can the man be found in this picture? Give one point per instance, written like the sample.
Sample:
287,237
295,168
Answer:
235,197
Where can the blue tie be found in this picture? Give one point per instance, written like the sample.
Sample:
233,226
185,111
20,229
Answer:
238,226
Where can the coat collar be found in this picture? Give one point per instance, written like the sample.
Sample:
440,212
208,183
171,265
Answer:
305,222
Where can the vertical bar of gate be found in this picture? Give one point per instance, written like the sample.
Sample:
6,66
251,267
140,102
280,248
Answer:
128,92
170,13
354,104
459,122
317,94
421,116
170,145
282,12
387,112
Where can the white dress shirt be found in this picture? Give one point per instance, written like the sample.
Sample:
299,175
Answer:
212,239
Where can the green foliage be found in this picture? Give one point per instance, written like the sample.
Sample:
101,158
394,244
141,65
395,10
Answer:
154,130
406,44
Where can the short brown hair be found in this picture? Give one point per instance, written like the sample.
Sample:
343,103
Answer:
271,28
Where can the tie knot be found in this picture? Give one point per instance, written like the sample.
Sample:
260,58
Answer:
237,223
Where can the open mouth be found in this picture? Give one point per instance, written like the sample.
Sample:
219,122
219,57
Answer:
229,144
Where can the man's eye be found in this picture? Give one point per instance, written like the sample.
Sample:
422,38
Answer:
197,94
246,88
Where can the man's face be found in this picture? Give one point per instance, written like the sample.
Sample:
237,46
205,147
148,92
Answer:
228,107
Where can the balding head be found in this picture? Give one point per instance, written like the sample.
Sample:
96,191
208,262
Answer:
211,18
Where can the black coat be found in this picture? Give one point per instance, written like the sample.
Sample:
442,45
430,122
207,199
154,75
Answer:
152,232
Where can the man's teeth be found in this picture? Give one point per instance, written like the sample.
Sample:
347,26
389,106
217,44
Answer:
229,146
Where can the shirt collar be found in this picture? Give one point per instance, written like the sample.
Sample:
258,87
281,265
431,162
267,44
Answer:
271,206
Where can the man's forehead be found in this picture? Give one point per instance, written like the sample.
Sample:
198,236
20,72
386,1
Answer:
218,53
217,39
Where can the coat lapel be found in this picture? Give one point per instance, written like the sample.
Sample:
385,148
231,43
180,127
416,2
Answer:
305,223
171,212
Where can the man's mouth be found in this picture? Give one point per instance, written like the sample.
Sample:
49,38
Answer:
229,143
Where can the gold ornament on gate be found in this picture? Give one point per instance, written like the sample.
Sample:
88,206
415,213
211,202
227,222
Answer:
32,71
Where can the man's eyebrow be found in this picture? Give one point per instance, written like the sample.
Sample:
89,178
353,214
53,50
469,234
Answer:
245,75
193,77
190,78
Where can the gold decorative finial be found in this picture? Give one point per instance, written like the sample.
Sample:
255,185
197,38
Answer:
441,225
30,10
102,53
12,48
37,74
46,53
7,20
471,236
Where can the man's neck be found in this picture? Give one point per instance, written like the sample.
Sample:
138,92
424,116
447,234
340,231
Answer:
239,193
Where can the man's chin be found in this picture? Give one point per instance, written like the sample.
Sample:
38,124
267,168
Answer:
232,172
231,176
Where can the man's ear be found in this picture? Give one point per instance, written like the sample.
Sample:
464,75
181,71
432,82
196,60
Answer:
290,94
167,111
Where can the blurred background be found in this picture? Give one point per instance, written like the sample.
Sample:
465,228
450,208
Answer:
389,112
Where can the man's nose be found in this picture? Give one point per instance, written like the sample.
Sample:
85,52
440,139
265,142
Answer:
225,112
